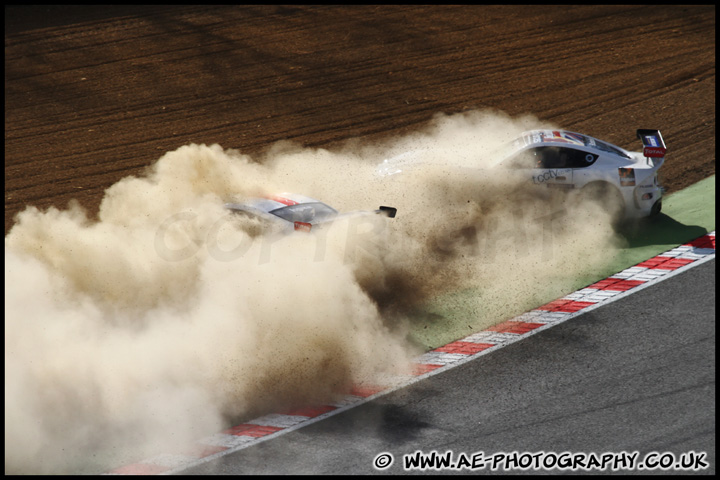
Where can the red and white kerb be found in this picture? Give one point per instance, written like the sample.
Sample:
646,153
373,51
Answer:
447,356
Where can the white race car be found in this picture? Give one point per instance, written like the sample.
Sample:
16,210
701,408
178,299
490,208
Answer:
627,182
288,212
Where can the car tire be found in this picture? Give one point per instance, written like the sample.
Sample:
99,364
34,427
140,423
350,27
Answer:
656,209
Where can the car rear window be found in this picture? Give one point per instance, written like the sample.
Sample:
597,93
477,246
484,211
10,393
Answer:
606,147
306,212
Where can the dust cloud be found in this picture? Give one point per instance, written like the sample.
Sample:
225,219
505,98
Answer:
167,318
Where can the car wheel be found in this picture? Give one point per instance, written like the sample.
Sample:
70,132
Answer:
656,208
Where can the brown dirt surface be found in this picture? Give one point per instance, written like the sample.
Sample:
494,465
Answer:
97,93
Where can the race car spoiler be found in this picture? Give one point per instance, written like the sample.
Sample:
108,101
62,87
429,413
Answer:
653,143
387,211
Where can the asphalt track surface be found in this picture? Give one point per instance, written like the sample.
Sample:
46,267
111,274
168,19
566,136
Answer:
637,374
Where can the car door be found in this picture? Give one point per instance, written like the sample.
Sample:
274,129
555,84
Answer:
583,163
552,166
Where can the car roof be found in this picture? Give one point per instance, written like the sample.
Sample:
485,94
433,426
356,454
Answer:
555,137
565,138
273,202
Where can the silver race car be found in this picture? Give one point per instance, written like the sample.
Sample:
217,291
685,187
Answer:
627,182
288,212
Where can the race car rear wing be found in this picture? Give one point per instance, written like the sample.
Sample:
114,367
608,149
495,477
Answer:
653,143
387,211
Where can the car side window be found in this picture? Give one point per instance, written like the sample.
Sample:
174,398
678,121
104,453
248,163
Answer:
550,157
563,157
538,157
579,159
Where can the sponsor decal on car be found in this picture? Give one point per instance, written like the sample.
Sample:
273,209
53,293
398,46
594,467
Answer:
654,152
652,140
283,200
653,143
627,177
561,137
550,175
